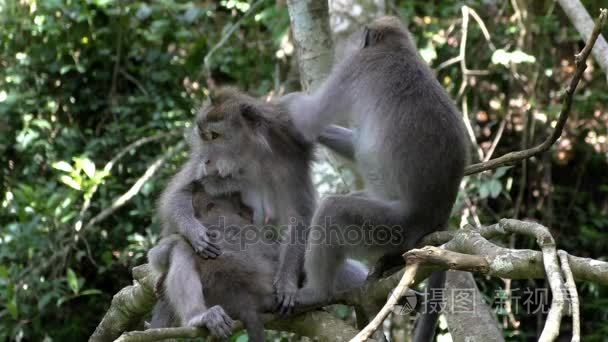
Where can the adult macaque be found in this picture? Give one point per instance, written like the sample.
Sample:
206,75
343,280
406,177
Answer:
253,143
409,145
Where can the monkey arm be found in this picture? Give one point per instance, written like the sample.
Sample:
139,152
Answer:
292,248
310,114
177,212
339,139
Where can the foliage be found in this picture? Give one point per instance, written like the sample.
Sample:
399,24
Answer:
81,80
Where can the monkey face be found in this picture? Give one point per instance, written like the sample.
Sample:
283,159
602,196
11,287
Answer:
230,135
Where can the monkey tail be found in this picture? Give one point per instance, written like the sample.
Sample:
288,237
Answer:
424,330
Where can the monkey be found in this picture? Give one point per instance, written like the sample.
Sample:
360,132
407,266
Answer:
237,284
253,143
409,144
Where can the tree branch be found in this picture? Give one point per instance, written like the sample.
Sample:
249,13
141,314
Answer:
574,301
467,249
581,65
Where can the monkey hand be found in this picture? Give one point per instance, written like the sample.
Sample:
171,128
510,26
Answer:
204,247
285,289
216,320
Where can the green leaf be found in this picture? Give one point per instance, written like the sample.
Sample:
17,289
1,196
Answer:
66,68
90,292
73,281
495,188
503,57
12,308
484,190
63,166
242,338
501,171
88,167
67,180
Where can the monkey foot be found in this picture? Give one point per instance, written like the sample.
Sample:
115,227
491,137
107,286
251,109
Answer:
216,320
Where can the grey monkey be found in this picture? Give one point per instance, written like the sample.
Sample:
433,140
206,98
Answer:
237,284
409,145
175,205
253,143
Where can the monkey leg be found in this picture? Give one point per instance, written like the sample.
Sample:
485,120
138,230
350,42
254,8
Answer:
162,315
350,276
385,263
424,329
254,325
345,226
183,287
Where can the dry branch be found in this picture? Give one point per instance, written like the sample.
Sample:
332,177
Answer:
406,281
574,301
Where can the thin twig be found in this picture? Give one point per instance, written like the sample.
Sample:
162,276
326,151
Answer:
497,138
483,28
134,190
406,281
109,165
227,35
134,81
517,156
574,300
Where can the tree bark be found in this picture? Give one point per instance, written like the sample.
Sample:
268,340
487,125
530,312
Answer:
310,27
469,319
584,24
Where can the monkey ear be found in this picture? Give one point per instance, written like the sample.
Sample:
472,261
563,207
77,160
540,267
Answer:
366,36
251,115
256,122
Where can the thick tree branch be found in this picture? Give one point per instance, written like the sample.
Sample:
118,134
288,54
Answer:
581,65
466,249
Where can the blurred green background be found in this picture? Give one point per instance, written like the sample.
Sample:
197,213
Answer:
81,80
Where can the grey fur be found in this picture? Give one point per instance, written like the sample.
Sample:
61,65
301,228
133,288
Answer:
409,145
253,142
237,284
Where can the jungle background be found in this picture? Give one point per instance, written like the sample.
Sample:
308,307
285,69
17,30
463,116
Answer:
95,96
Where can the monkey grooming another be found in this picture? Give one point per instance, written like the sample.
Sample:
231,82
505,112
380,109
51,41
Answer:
244,147
409,145
237,284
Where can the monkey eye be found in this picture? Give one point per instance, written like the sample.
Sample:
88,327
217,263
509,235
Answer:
215,135
204,134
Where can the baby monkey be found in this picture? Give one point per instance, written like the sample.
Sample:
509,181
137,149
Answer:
210,293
